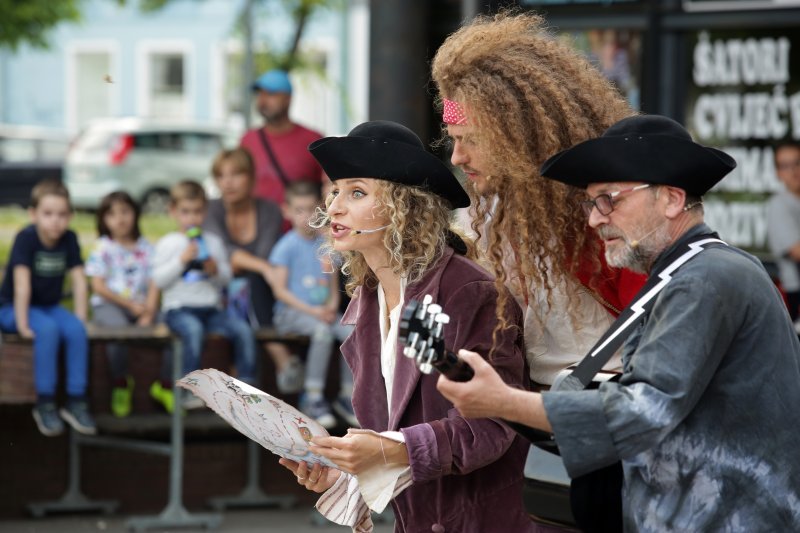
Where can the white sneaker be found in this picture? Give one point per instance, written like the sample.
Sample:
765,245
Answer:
319,410
190,401
290,379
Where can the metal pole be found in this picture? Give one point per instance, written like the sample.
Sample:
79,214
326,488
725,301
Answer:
175,514
247,64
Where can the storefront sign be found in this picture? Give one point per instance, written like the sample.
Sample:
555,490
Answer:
743,99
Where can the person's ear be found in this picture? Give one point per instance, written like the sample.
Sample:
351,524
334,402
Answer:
675,201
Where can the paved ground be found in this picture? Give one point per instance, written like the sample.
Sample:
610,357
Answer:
297,520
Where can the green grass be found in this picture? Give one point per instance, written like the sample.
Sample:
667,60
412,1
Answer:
13,219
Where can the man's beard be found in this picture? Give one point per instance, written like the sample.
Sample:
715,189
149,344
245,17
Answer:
274,116
637,256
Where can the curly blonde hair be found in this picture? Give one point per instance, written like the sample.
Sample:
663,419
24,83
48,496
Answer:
419,223
527,96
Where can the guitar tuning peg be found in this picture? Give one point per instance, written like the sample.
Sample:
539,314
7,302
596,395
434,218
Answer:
427,299
425,368
409,352
442,318
434,309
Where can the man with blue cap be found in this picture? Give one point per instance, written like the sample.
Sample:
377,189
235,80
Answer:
279,148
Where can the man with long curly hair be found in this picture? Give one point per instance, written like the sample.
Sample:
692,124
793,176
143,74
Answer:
512,96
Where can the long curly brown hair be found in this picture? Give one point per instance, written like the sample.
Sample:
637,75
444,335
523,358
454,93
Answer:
527,96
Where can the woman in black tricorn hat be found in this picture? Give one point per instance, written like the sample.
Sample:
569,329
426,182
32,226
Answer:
389,215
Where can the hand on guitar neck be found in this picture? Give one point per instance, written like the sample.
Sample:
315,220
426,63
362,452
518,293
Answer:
421,331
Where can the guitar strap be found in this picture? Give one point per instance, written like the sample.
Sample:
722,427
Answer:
616,334
642,303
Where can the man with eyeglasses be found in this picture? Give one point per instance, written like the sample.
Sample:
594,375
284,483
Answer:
705,414
783,224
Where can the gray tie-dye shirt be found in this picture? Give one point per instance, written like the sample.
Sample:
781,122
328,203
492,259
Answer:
706,417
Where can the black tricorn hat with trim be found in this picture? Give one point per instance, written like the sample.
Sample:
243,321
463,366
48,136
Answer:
647,148
389,151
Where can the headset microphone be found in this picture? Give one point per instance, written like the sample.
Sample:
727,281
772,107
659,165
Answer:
360,231
636,242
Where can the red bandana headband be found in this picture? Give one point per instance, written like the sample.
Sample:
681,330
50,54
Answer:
453,113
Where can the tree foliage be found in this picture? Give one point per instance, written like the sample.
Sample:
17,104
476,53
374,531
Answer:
300,11
29,21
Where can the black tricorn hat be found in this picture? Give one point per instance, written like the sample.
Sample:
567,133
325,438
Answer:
389,151
647,148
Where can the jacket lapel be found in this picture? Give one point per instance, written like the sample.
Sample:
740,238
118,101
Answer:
406,373
362,351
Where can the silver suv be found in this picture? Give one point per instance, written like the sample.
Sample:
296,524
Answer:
143,157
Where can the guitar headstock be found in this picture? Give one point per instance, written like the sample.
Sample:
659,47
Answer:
421,332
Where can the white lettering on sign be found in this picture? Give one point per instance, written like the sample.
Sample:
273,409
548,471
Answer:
754,172
741,61
746,102
759,115
742,224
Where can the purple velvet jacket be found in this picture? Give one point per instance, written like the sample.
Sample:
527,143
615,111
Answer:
467,473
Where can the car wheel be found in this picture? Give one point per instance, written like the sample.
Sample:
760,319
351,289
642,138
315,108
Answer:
155,202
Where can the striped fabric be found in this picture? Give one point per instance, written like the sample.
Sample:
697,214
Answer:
349,501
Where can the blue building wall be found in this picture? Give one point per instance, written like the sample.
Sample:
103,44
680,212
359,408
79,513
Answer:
35,84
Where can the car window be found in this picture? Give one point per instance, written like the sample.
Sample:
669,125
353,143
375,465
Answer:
200,143
15,150
158,140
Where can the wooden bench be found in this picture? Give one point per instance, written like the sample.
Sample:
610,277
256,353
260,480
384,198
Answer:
16,386
16,358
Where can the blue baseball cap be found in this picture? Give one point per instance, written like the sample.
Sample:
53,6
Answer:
274,81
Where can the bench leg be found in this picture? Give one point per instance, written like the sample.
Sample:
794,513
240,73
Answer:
175,514
252,495
73,499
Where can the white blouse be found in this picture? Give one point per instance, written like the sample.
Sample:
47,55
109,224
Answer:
389,338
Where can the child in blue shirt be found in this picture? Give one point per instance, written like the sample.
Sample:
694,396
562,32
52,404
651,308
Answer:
307,303
42,254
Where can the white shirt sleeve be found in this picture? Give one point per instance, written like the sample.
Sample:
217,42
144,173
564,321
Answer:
167,264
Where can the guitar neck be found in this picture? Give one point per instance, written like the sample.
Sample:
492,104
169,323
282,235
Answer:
453,368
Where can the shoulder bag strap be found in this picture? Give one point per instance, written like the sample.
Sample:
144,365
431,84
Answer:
271,154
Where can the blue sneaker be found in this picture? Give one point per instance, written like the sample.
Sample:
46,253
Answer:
343,406
77,415
319,410
47,420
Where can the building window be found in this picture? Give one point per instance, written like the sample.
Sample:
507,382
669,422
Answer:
167,89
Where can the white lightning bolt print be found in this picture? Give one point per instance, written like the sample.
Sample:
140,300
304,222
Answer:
637,308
